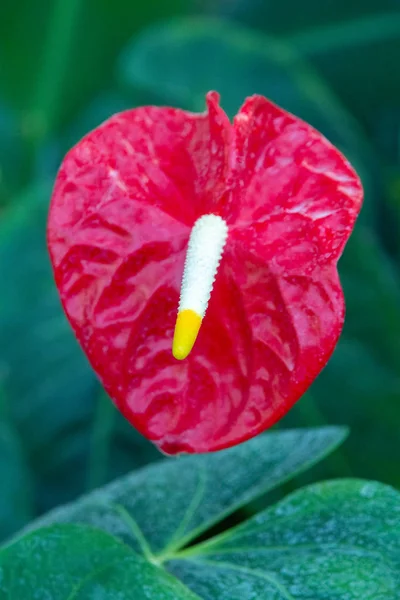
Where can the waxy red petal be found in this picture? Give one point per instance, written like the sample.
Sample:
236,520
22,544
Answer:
299,197
124,202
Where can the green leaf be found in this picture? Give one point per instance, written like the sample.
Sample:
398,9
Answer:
331,541
78,563
353,53
286,16
166,505
54,399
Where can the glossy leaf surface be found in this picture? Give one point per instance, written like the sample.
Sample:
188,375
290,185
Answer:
170,503
65,562
337,540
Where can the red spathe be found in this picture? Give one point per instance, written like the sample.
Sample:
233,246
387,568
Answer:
124,202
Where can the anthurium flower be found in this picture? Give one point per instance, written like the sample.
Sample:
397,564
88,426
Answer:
240,227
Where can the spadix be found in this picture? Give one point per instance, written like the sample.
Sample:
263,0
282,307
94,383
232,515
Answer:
205,248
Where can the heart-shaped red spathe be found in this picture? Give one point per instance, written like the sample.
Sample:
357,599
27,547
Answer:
124,202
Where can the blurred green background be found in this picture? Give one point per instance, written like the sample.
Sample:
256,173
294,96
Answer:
66,65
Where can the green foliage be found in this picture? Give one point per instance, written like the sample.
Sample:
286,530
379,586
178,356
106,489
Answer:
332,541
288,17
65,67
65,562
206,488
367,49
338,540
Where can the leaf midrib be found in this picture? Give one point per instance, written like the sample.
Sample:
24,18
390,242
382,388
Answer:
282,548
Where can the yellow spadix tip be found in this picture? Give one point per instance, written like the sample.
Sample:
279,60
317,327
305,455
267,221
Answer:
186,329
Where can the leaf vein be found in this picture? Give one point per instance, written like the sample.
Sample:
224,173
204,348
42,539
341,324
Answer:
253,573
136,531
198,495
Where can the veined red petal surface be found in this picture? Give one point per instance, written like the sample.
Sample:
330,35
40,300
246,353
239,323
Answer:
124,203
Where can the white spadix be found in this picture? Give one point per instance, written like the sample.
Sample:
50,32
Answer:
206,244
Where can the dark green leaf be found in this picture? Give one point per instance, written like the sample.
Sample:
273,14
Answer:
287,16
78,563
331,541
351,54
166,505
